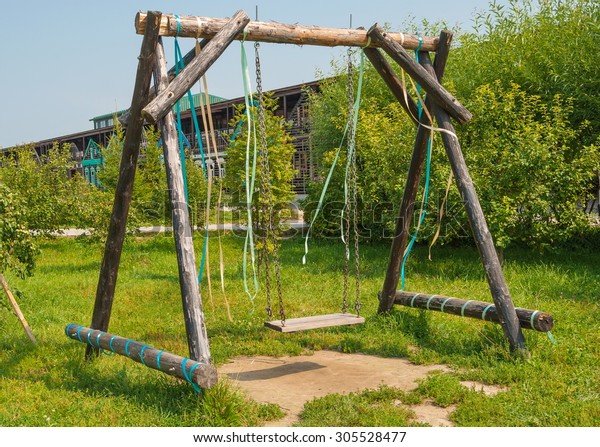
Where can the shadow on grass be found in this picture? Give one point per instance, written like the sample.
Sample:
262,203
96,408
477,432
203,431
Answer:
427,336
70,268
163,394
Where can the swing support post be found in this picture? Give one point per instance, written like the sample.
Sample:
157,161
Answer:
131,148
405,214
182,228
483,238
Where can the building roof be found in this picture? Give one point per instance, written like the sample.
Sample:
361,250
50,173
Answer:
184,104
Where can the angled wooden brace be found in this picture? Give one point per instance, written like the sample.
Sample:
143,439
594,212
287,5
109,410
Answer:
428,82
163,103
413,178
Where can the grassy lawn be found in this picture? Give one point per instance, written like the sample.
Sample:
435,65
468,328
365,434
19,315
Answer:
51,384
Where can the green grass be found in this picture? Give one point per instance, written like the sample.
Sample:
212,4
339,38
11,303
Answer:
51,384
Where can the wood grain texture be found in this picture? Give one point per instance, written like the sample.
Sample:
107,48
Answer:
274,32
413,179
315,322
193,312
428,82
528,319
202,374
198,66
131,147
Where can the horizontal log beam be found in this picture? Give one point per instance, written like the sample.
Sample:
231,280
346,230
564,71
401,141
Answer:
528,319
428,82
274,32
202,374
167,98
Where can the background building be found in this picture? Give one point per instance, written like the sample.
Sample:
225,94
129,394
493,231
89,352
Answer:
293,106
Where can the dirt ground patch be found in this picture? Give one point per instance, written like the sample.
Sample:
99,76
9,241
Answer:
290,382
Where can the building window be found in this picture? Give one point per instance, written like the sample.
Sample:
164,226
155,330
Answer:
87,174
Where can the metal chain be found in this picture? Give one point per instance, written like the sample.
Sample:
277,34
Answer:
352,198
270,246
346,221
354,172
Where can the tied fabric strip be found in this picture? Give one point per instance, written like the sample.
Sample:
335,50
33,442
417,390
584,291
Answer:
250,177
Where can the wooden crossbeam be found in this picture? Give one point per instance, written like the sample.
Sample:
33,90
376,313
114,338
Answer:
315,322
275,32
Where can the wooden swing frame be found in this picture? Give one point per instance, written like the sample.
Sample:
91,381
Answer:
219,33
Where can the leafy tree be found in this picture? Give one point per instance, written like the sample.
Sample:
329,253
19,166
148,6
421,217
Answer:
530,159
197,190
149,199
281,151
111,157
17,247
150,188
384,141
548,47
42,185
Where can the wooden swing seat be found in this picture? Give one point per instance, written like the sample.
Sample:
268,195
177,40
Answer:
315,322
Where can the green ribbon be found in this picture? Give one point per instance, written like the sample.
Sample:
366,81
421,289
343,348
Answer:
250,177
351,149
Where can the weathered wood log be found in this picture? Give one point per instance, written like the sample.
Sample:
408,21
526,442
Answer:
481,233
393,82
182,229
165,100
413,178
131,146
428,82
17,309
202,374
528,319
274,32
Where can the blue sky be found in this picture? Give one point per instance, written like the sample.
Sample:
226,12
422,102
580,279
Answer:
66,61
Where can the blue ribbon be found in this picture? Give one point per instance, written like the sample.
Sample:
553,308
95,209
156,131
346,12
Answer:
189,375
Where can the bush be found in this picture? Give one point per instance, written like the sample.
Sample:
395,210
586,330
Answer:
17,248
50,199
532,171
